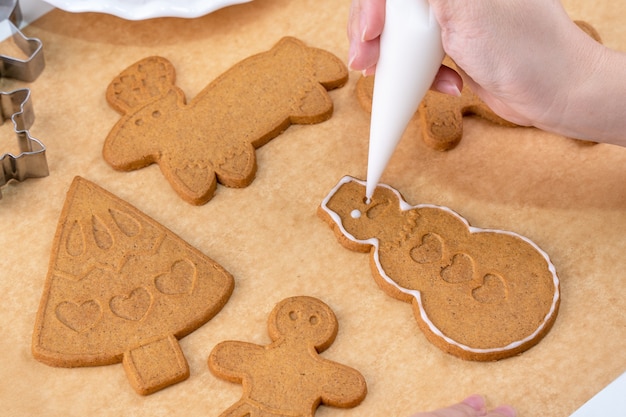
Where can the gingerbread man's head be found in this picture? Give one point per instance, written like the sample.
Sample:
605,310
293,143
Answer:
303,320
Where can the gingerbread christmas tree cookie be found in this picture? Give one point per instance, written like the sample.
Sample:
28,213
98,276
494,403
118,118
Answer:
289,377
213,137
123,288
479,294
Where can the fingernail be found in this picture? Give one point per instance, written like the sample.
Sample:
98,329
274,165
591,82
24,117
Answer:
363,34
352,53
477,402
506,411
363,23
447,87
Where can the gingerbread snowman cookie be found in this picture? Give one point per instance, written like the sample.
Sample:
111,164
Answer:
476,293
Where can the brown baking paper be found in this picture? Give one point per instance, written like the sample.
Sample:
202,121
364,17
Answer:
569,199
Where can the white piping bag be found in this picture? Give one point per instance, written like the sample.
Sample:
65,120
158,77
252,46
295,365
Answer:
411,53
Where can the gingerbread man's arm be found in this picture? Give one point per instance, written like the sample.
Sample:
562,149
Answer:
231,360
345,387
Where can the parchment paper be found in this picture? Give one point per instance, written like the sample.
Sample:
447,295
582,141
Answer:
569,199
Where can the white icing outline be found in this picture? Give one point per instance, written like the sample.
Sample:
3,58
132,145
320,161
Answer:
404,206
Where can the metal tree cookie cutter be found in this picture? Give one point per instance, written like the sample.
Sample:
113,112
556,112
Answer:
16,105
15,67
31,162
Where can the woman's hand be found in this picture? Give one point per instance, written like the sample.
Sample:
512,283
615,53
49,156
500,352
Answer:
526,59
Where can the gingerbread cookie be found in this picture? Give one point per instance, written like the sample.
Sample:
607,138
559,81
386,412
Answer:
288,377
476,293
441,115
123,288
213,137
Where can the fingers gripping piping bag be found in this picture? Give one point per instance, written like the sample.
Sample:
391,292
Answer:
411,52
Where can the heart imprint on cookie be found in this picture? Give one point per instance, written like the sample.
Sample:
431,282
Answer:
79,317
179,280
133,306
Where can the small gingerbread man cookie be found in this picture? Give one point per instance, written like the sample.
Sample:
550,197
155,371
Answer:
288,377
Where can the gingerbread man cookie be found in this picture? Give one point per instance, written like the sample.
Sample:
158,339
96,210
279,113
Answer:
288,377
441,115
213,137
123,288
476,293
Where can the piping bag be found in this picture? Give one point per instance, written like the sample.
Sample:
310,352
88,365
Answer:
411,53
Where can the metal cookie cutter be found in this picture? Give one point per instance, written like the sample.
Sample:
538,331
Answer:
31,162
14,67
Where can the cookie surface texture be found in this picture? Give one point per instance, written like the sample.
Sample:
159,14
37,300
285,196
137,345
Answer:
288,377
213,137
123,288
479,294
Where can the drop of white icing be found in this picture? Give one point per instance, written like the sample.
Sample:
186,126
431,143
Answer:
355,214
